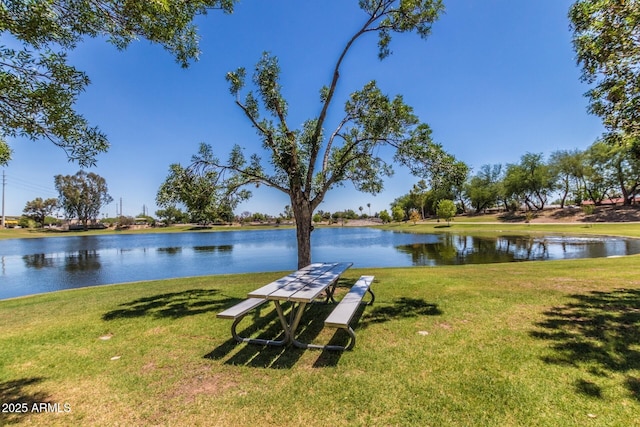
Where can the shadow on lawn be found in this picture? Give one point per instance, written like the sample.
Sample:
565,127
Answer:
13,398
599,331
401,308
172,305
266,322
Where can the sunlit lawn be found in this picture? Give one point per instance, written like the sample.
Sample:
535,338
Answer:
554,343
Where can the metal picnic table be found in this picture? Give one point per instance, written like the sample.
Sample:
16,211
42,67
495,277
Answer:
299,288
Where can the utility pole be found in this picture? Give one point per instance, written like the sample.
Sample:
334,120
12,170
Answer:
4,183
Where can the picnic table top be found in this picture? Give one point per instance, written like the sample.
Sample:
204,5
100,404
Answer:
303,285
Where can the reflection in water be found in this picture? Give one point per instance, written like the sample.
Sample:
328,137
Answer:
171,251
453,249
42,265
217,248
82,261
38,261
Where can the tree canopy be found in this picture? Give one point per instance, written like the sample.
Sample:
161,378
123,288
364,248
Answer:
39,87
82,195
446,210
38,209
531,180
198,190
606,38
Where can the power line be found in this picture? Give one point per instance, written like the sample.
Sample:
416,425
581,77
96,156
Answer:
22,184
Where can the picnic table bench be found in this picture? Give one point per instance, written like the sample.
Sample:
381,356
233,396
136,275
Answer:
341,316
301,288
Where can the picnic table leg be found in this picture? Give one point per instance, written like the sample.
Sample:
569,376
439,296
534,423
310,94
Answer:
260,341
330,290
373,297
294,326
349,346
290,326
283,321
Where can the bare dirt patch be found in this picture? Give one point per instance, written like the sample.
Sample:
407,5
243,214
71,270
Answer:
600,214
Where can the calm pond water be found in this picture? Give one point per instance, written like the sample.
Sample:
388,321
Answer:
29,266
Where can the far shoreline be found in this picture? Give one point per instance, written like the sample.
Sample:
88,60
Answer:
570,217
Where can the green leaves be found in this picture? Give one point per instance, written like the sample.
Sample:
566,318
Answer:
38,209
82,195
446,209
5,153
66,22
40,89
607,43
236,80
305,163
392,16
200,189
531,180
37,102
267,80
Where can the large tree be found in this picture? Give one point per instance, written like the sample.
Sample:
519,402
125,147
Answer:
199,191
620,166
567,167
483,189
82,195
306,163
38,209
597,178
530,180
606,38
39,87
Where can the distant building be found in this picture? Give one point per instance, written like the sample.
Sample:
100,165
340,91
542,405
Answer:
10,223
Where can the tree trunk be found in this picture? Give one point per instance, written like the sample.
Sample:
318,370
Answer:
302,213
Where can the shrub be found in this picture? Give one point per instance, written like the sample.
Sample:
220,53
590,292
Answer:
446,210
588,209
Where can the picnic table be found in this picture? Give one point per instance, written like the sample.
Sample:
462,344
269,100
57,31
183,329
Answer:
301,288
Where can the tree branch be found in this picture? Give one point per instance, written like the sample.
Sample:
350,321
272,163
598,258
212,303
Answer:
329,97
330,143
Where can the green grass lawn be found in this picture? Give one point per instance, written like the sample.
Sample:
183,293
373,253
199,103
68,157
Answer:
553,343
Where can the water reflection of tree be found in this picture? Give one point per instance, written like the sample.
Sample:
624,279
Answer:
170,250
458,249
524,248
82,261
214,248
37,261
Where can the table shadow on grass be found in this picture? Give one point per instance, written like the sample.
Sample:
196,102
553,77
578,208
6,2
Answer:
400,308
309,331
599,333
264,323
172,305
15,392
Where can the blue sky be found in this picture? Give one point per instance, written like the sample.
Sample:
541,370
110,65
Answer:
496,79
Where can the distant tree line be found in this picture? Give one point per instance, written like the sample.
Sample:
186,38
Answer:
602,171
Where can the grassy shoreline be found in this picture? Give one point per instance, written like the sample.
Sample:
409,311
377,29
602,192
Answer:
522,344
25,233
624,229
621,229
